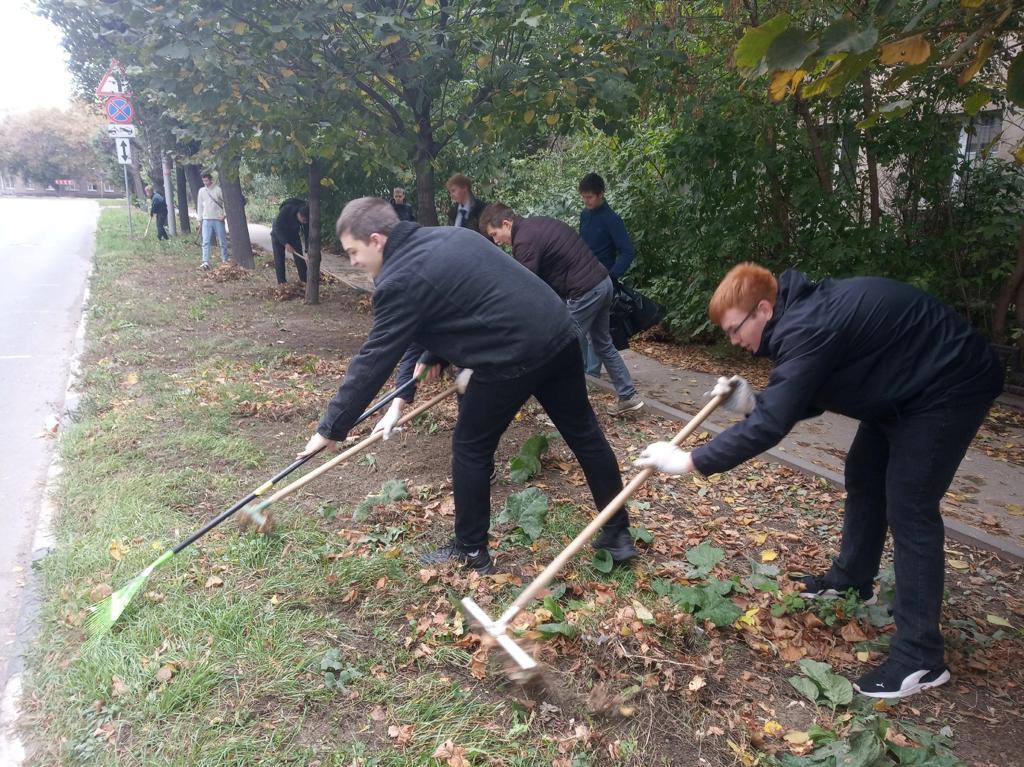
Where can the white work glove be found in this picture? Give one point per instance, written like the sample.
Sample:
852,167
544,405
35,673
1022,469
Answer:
740,397
665,457
387,423
462,379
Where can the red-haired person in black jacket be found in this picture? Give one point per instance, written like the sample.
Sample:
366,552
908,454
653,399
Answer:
920,381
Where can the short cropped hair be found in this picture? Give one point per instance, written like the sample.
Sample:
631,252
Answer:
592,183
460,180
398,189
494,214
366,216
744,287
207,174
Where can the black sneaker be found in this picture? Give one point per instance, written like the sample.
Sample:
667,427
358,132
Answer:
819,587
894,680
478,559
618,543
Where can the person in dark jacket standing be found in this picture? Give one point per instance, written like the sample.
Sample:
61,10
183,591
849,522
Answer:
291,227
920,381
158,208
555,253
457,295
402,208
466,209
606,236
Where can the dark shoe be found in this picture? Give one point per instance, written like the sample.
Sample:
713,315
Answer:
819,587
627,405
894,680
478,559
618,543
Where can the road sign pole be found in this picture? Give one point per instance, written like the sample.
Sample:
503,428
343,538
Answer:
128,199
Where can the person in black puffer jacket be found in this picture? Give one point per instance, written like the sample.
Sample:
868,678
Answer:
457,295
920,381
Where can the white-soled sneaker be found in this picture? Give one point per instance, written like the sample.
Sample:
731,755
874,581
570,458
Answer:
628,405
895,680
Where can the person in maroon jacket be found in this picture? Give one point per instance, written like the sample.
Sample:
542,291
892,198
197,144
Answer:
917,377
555,253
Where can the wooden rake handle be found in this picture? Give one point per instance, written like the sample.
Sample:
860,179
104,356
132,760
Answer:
548,574
361,445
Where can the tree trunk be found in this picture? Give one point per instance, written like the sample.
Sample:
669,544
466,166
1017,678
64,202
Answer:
822,168
165,172
234,206
777,194
426,207
193,174
313,246
423,163
136,182
183,222
156,171
1011,293
874,201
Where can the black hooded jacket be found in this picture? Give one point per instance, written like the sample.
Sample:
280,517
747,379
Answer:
457,294
869,348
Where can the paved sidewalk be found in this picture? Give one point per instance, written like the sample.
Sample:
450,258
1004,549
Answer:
977,509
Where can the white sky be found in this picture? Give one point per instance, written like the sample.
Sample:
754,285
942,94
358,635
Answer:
32,63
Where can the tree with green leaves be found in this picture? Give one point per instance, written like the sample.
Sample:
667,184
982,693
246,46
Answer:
47,144
894,55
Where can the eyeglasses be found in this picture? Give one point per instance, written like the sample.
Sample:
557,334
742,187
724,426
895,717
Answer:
733,332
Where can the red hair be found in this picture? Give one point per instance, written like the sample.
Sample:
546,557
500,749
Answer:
744,287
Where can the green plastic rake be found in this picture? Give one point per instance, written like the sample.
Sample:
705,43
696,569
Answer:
106,612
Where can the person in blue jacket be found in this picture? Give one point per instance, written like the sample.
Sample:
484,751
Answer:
606,236
918,378
458,295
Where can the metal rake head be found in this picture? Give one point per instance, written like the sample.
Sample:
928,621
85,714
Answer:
498,630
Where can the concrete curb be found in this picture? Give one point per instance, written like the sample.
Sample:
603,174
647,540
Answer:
955,529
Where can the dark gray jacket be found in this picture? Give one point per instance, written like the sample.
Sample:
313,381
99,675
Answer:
868,348
553,251
454,292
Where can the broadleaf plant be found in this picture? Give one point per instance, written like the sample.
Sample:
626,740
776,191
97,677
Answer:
526,510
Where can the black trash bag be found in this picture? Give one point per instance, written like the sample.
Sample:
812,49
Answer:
632,312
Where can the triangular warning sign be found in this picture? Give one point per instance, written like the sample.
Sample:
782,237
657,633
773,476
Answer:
113,83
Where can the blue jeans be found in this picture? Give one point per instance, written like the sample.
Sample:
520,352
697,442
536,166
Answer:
591,361
592,311
213,226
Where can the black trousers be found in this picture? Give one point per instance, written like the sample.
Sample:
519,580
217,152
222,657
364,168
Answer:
161,226
279,254
896,474
488,408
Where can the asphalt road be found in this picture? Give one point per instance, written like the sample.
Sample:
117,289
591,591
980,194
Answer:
46,248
